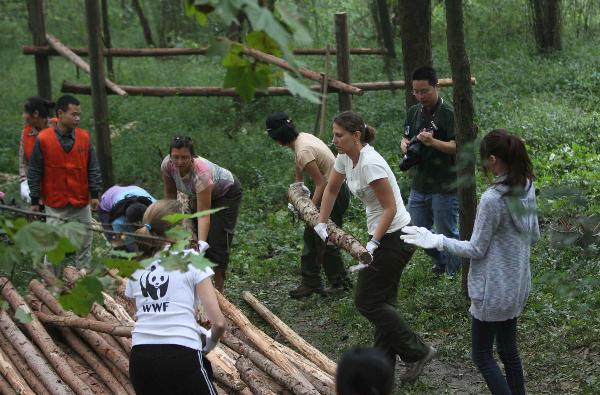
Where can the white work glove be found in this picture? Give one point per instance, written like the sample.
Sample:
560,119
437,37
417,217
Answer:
25,192
372,246
202,246
422,237
210,343
321,230
358,267
293,210
304,188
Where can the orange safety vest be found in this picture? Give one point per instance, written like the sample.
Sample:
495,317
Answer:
65,178
29,139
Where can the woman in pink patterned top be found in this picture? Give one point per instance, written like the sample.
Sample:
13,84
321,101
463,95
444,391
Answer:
207,186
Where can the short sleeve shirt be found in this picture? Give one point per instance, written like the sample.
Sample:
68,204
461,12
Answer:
204,173
166,303
436,172
370,167
310,148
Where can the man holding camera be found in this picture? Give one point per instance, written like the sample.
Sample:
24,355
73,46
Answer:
428,146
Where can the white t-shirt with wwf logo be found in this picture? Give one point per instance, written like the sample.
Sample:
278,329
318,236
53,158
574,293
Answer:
166,302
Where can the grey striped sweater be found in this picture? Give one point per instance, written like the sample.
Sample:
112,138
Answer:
499,249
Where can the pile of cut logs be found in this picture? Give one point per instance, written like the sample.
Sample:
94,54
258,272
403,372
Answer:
45,349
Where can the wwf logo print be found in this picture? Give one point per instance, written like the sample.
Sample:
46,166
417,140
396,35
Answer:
154,282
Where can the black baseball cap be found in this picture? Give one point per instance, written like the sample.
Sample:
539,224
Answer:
277,122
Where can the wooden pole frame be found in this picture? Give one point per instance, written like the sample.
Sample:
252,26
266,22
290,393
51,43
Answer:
99,97
343,58
37,26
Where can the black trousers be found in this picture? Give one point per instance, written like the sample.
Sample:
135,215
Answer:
169,369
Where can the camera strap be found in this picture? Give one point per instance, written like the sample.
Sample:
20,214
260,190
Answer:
433,115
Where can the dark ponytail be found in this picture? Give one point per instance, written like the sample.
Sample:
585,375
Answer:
353,122
511,150
36,103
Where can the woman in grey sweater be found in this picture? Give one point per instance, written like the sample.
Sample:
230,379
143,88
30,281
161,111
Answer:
506,226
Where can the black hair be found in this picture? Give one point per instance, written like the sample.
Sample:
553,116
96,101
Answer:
179,142
63,103
281,128
364,371
132,208
425,73
36,103
352,122
511,150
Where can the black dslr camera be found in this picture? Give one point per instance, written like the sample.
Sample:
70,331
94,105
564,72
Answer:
413,150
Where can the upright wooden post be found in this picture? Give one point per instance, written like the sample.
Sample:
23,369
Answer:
343,58
99,100
106,37
37,26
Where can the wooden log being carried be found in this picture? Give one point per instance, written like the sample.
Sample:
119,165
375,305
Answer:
309,214
310,352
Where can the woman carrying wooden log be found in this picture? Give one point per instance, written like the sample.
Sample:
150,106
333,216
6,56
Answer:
313,157
166,357
370,178
207,186
36,114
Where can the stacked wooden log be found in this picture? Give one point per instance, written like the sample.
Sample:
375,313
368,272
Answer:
58,352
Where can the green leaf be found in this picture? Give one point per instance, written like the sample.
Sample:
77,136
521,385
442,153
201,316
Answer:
178,233
9,257
75,232
301,35
22,316
36,238
199,261
261,41
126,267
58,254
299,89
123,254
233,57
174,218
86,291
218,48
174,262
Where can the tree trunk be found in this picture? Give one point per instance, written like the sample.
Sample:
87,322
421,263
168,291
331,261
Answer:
547,25
263,342
84,323
309,214
314,355
283,377
43,340
258,385
106,38
415,32
387,32
144,22
13,376
5,387
82,370
33,356
17,360
463,123
226,374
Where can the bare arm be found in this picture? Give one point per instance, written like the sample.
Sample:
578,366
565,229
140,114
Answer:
404,144
298,174
385,196
169,187
206,293
330,194
23,163
203,202
313,171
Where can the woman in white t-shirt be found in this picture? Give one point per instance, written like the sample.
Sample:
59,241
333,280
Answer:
166,357
370,178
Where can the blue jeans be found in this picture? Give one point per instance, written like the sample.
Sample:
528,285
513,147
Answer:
482,348
439,211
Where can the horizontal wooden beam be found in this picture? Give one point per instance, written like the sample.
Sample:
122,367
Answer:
158,52
215,91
